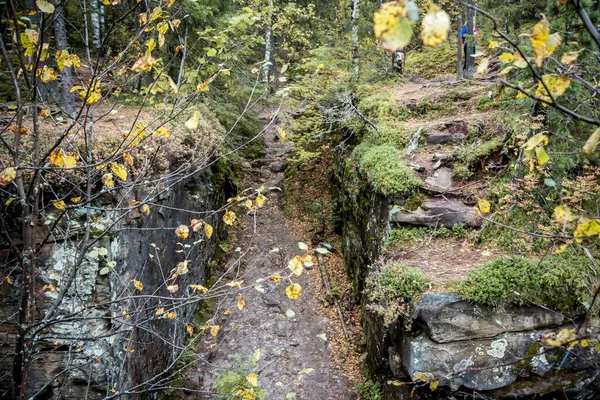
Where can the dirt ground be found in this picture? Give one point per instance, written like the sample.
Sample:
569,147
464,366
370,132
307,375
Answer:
304,352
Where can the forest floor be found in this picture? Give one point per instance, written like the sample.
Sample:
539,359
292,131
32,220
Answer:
298,349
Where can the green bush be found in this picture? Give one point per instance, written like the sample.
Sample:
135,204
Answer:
563,282
369,390
392,290
233,384
385,170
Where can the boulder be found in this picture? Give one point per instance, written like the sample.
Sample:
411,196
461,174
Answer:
445,138
441,179
447,318
437,213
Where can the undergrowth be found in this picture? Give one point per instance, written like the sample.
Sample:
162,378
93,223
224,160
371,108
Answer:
392,290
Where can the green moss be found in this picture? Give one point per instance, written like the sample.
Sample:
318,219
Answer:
385,170
392,290
560,282
407,236
428,62
472,153
382,107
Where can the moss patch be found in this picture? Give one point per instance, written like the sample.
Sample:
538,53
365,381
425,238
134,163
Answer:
562,282
392,290
385,170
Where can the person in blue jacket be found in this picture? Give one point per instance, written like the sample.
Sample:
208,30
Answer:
463,34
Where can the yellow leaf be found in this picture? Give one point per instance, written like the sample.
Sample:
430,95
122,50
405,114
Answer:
59,158
190,330
196,224
584,343
75,200
483,66
563,337
192,123
542,156
506,58
241,303
46,74
435,27
59,204
171,315
260,200
173,288
108,181
433,385
144,64
119,171
535,141
229,218
214,330
29,40
587,229
484,206
49,287
590,145
557,86
542,42
208,230
199,288
561,249
143,19
182,232
128,159
493,44
392,26
282,134
275,278
252,379
156,14
234,284
569,57
9,201
7,176
295,265
44,6
139,286
45,113
293,291
420,376
249,204
563,215
146,209
182,268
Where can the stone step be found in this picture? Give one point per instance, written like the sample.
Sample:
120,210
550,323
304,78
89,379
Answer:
434,212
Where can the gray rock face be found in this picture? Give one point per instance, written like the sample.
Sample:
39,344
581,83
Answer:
446,318
437,212
100,361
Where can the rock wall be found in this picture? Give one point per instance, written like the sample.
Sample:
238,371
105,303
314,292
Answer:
466,348
133,348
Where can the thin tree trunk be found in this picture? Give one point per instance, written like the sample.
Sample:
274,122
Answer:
183,56
355,17
95,17
60,33
268,64
469,46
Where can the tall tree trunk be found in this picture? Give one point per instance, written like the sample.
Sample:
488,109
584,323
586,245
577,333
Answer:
60,33
355,17
469,44
95,19
268,64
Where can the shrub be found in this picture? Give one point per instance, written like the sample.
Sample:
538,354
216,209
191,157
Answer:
563,282
233,383
369,390
392,290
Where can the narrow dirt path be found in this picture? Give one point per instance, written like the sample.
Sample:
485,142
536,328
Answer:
290,338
